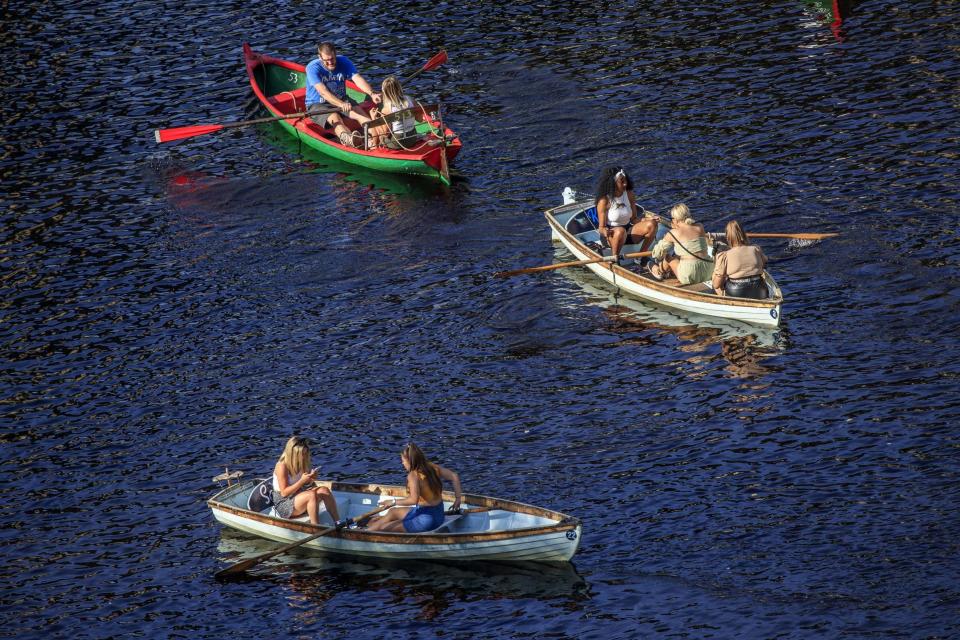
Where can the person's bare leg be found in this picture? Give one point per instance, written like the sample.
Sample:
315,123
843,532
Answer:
329,501
384,521
617,237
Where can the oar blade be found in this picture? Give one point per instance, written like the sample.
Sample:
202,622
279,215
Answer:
179,133
235,569
794,236
435,61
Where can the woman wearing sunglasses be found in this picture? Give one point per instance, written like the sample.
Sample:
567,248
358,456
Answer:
292,497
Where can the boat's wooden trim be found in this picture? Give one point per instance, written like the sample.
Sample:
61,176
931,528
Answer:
564,522
678,292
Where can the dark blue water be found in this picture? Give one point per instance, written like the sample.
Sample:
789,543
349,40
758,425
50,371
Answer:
171,310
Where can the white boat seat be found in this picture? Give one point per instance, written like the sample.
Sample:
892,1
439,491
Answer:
447,521
343,506
589,236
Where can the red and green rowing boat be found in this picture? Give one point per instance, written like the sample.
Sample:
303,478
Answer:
280,87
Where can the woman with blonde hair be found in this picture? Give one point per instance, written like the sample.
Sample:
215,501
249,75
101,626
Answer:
690,261
291,475
422,509
401,128
738,271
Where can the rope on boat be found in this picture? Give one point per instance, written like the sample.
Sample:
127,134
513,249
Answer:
299,139
426,118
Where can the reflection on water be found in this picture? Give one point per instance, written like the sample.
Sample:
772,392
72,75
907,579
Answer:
432,586
743,346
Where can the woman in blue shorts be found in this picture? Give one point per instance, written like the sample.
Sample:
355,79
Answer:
422,509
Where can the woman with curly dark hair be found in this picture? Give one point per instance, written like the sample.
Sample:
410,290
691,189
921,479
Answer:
617,213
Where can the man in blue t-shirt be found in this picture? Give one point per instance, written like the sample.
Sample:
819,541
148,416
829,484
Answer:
327,85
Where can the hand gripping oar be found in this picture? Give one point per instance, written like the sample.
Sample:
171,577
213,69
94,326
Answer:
243,565
563,265
179,133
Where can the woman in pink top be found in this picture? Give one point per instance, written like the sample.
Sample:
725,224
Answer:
738,271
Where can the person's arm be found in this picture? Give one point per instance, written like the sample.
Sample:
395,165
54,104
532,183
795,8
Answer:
763,258
719,272
454,479
326,94
633,207
602,207
660,249
287,490
366,88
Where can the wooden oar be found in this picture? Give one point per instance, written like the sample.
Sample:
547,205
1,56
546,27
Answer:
179,133
795,236
563,265
242,566
432,64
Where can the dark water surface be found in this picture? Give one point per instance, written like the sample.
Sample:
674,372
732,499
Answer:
171,310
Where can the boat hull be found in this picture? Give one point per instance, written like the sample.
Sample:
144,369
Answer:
279,87
765,313
552,536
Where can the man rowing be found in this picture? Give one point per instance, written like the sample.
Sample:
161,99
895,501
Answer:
327,85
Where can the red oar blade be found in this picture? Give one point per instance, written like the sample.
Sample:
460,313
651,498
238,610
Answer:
179,133
435,61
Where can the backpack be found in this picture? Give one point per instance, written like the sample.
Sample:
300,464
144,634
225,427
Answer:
261,498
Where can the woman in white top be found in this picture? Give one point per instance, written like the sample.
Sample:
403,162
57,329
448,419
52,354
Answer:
617,213
394,99
290,475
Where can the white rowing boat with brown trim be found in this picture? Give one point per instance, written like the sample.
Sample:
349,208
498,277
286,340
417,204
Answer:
489,528
571,225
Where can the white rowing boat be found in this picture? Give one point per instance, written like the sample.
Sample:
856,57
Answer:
489,528
570,225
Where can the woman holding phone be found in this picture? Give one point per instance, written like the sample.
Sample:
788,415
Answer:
291,475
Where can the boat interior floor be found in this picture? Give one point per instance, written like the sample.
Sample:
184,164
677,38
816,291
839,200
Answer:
326,520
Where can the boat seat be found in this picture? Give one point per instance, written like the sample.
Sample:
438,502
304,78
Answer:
290,101
444,528
699,287
343,506
589,236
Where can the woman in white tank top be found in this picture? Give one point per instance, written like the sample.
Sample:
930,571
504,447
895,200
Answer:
394,100
617,213
290,475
